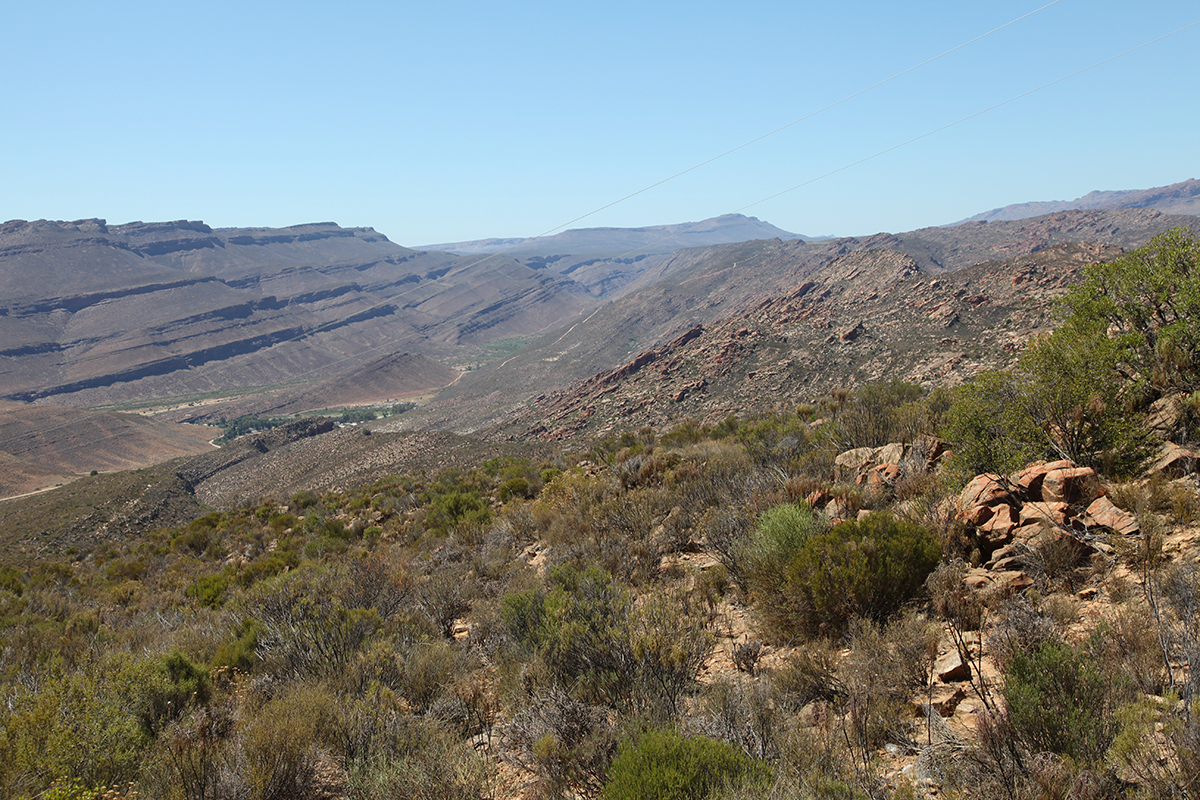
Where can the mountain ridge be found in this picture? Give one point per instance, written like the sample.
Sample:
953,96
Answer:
1177,198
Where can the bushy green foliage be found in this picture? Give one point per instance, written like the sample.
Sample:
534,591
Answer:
93,724
991,426
1131,333
578,627
778,538
594,642
209,590
857,568
247,424
787,442
1061,701
1146,304
10,581
664,765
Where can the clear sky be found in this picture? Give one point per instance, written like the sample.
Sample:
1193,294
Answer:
436,122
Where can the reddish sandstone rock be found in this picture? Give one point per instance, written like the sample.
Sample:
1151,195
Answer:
1040,511
883,475
1102,512
998,530
944,699
977,515
1029,480
950,667
985,490
892,453
1030,533
1073,485
1174,461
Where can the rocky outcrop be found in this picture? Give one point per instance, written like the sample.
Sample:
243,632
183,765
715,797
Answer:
1057,503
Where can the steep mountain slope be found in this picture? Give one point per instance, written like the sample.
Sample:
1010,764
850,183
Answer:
699,286
870,315
1178,198
92,313
42,446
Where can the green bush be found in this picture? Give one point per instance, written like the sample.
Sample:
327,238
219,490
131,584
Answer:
209,590
664,765
778,538
1061,701
596,643
858,568
455,507
992,427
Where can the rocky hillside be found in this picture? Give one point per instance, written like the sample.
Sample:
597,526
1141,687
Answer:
756,286
92,313
46,446
868,316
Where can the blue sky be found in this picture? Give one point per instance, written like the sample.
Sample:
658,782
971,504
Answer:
462,120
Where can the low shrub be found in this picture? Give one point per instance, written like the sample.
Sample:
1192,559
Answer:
862,568
1061,701
664,765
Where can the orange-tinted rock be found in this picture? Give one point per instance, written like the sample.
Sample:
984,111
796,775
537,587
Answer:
818,499
1007,551
851,464
999,528
977,579
1013,581
1073,485
950,667
985,490
1174,461
1053,513
1102,512
977,515
1029,533
1029,480
883,475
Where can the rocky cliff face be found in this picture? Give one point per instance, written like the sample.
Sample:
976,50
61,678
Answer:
94,313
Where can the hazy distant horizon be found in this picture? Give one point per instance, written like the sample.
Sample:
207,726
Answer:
439,124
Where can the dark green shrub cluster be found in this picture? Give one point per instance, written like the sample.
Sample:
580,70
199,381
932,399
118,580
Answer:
665,765
1060,700
858,568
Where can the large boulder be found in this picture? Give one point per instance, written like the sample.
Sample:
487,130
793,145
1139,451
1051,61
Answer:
1029,480
1103,513
985,490
1072,485
1175,461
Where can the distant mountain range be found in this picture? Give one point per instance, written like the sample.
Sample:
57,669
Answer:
724,229
92,313
1178,198
240,320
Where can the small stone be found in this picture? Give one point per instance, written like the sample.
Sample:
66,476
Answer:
950,668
